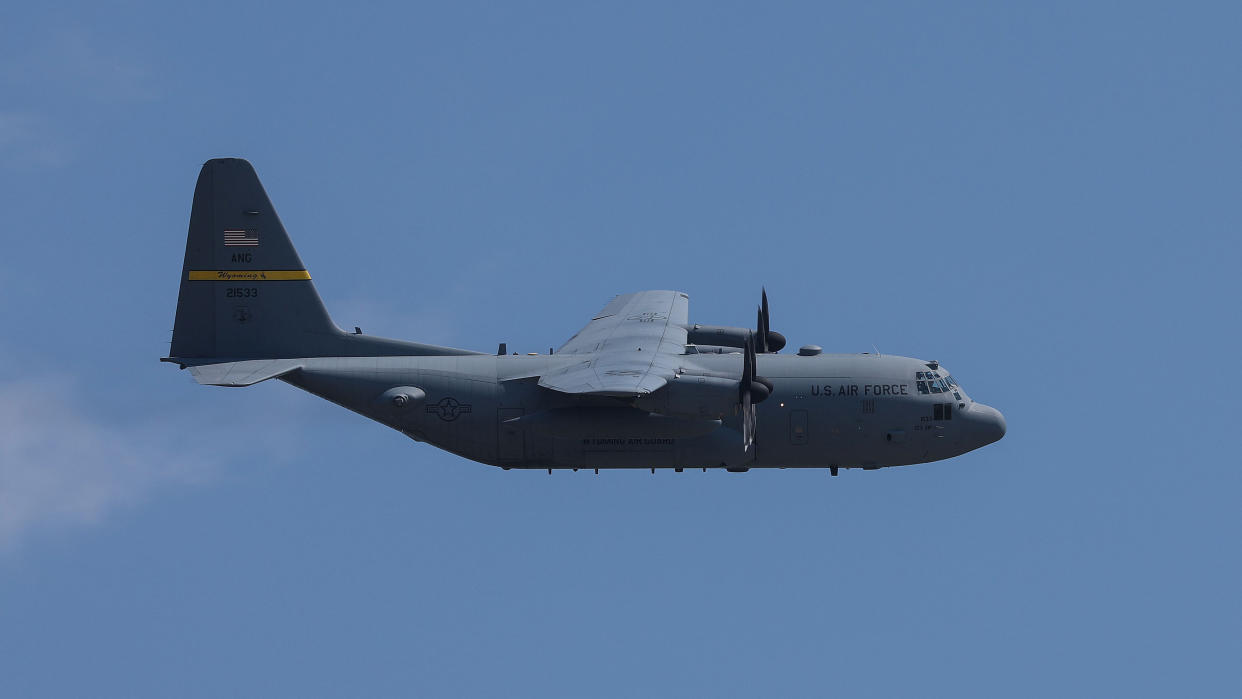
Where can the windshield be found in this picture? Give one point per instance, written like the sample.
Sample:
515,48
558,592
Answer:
934,382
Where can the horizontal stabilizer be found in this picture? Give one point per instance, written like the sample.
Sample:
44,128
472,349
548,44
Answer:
245,373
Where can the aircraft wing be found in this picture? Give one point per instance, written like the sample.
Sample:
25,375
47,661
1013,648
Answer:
630,348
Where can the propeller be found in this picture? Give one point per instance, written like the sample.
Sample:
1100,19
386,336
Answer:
752,390
767,340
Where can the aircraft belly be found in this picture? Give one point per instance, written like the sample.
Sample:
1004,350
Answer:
723,447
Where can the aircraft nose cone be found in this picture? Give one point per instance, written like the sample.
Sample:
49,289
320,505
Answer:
985,424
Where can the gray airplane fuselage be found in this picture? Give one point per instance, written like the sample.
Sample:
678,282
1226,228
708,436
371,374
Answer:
826,411
638,386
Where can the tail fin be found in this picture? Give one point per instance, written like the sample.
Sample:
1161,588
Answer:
244,290
245,293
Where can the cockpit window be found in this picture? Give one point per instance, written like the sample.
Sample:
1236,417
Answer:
933,382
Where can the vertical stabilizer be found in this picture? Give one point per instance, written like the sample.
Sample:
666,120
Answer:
244,290
245,293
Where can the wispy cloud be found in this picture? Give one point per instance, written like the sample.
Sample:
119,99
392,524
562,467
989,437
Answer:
62,468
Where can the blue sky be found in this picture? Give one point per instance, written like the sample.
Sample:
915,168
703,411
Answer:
1045,198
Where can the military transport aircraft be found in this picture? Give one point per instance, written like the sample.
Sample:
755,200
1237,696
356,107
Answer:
639,387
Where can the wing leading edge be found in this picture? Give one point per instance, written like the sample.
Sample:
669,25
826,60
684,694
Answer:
630,348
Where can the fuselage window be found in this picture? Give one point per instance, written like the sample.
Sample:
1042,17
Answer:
923,387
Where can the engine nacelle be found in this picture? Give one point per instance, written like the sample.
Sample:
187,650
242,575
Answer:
688,395
717,335
724,336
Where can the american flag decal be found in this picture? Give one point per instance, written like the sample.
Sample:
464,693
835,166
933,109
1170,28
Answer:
235,237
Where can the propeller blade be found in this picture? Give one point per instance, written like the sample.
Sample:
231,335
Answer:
748,393
768,341
766,317
760,388
748,371
761,335
748,422
752,358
